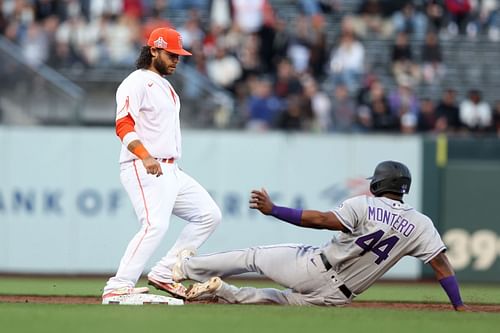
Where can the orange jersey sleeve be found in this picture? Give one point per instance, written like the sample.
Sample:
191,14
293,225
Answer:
124,126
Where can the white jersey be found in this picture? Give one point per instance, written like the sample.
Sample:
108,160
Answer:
382,231
154,106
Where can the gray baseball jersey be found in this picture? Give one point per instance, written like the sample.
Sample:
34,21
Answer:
382,231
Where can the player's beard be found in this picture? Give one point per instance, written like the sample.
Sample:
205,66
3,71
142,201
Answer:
160,66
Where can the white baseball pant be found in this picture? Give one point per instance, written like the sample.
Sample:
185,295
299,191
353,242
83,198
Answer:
155,199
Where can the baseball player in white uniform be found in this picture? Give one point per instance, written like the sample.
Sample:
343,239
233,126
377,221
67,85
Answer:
147,122
376,232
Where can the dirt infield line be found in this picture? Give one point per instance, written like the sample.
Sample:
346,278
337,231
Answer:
36,299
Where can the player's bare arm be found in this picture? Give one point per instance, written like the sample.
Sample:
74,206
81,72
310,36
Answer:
441,266
260,200
151,165
446,276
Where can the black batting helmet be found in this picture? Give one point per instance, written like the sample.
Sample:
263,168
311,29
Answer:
390,176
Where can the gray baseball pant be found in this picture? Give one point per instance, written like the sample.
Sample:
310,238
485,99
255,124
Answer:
296,267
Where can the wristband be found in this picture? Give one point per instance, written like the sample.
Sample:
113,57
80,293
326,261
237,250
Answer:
141,152
290,215
450,285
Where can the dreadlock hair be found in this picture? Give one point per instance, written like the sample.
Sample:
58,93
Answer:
145,58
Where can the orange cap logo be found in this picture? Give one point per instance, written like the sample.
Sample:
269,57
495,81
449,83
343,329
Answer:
160,43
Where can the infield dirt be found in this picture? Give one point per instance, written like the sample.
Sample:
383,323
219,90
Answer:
360,304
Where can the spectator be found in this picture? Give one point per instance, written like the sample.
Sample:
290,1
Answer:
369,20
44,9
225,70
374,113
435,15
320,105
233,39
319,55
382,119
49,26
132,8
364,95
211,39
35,45
402,100
220,13
296,115
77,43
249,56
458,11
249,15
433,69
191,30
286,82
120,38
263,107
99,8
343,110
410,21
447,112
408,122
483,18
241,114
493,20
427,116
403,66
475,113
347,60
280,43
266,36
299,47
310,7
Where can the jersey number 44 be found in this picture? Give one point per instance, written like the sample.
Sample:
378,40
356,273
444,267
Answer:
372,242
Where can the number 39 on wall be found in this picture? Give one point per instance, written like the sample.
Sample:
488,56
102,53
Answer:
482,247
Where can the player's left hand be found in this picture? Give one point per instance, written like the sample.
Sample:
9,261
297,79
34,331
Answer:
259,199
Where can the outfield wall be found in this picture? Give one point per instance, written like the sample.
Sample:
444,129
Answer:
63,210
461,193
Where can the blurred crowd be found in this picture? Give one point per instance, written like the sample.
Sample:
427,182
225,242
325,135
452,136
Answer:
298,74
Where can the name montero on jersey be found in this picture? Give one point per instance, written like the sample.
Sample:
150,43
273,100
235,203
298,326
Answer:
396,221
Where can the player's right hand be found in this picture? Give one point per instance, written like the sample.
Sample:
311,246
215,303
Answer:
259,199
152,166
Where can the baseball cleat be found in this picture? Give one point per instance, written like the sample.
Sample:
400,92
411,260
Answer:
207,287
142,299
177,273
124,291
175,289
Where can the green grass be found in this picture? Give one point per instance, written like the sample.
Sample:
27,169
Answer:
239,318
234,318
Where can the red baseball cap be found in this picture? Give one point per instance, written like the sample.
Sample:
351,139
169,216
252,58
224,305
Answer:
168,39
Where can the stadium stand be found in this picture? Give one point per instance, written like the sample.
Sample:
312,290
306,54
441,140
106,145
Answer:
77,51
